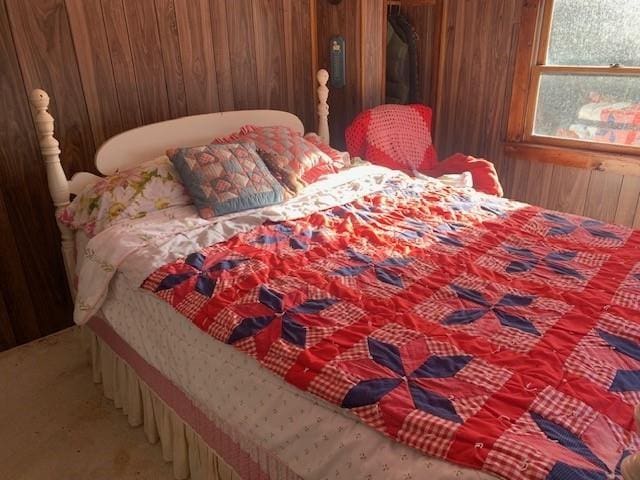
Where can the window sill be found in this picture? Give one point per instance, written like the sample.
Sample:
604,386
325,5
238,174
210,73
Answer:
571,157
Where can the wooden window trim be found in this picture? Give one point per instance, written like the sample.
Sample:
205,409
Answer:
571,157
535,30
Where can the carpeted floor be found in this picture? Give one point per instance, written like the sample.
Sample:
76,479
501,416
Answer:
56,424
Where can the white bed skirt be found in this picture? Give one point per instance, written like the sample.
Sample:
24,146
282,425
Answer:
191,456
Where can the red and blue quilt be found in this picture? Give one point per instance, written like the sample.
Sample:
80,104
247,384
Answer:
489,333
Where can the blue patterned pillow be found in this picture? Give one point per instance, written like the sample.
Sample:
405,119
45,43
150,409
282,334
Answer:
226,178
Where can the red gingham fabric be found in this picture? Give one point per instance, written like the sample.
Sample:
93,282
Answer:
399,137
394,136
439,319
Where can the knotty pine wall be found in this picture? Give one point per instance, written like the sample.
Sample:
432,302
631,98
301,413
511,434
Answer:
111,65
479,59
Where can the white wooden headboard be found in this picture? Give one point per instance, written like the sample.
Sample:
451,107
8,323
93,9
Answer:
138,145
128,148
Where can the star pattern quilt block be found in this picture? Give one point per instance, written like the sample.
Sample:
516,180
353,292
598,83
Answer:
503,316
609,355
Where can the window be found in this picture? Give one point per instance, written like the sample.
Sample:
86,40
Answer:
577,78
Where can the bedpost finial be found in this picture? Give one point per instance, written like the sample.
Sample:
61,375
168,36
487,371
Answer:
56,178
323,77
39,99
323,106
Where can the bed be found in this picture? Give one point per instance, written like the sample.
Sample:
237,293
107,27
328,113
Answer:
374,326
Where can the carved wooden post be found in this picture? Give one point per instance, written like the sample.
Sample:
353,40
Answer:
323,106
631,467
56,178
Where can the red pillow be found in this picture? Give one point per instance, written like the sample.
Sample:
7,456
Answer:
305,159
394,136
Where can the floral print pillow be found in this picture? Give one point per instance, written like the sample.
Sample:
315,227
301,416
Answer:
127,195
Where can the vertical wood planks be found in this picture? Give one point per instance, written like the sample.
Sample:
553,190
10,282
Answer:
288,19
520,180
122,63
196,52
537,192
220,37
7,337
373,55
242,51
602,196
568,190
94,63
17,303
629,201
270,51
174,75
147,60
302,60
476,77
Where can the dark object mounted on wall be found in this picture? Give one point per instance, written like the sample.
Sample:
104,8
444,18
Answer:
402,72
337,69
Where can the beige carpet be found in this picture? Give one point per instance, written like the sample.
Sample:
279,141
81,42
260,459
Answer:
56,424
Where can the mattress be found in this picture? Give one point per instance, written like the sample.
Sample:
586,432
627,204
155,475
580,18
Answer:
263,414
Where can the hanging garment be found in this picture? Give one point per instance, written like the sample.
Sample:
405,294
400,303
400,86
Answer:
398,69
410,37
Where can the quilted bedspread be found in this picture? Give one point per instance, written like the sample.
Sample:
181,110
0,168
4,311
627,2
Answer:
489,333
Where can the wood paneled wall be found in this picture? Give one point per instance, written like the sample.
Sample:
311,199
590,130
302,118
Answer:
361,23
478,51
479,59
111,65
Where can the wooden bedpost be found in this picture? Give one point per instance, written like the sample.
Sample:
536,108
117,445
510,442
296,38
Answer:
323,106
56,178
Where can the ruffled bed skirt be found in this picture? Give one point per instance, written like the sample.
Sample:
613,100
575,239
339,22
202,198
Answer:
191,456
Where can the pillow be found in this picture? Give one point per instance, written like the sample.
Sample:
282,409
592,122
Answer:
340,159
126,195
226,178
305,158
278,166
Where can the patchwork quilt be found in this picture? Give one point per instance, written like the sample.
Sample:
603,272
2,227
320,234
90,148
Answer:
492,334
